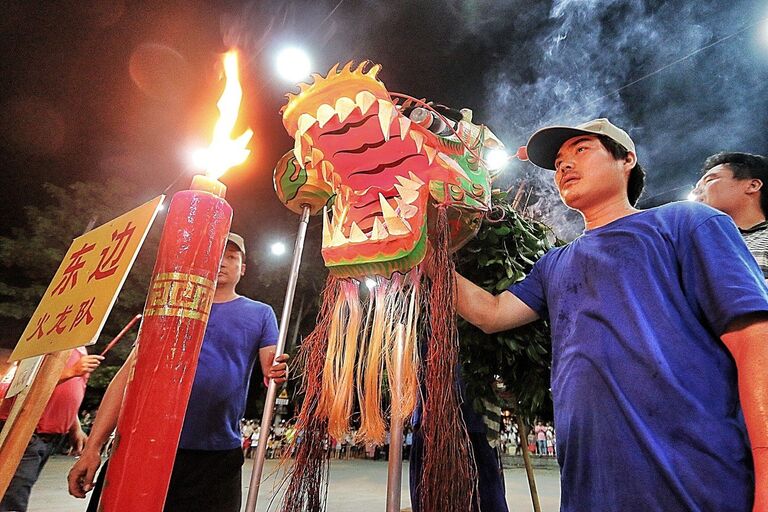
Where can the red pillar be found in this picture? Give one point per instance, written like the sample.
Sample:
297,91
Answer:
175,317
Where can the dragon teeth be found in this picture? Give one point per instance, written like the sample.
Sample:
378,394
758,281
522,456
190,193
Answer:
305,123
410,183
385,117
338,237
415,178
408,195
327,237
344,107
386,208
405,126
315,157
431,152
379,231
324,114
297,150
365,100
356,234
418,139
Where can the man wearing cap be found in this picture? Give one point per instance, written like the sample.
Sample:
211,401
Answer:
207,470
737,184
652,312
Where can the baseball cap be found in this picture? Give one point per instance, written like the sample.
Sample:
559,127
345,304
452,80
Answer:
546,142
238,241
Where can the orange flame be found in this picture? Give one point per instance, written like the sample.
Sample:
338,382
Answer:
224,151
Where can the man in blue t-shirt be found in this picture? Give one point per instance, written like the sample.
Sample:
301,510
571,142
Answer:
207,469
652,313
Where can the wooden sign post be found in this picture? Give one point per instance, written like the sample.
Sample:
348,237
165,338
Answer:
71,314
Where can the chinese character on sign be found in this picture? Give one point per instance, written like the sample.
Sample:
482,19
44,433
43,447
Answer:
110,255
70,273
84,313
59,326
38,332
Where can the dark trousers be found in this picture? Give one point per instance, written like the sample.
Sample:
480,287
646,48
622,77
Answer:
490,478
201,481
35,456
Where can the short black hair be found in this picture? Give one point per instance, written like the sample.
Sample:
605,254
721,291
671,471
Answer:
636,181
744,166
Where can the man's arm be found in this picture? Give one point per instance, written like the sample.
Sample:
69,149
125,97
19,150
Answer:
272,368
86,364
491,313
746,339
81,475
77,437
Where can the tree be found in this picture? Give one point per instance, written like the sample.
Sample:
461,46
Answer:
30,256
512,368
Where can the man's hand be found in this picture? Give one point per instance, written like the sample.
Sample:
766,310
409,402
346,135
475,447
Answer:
278,371
86,364
80,479
77,439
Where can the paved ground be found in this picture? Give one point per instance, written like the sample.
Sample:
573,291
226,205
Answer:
355,485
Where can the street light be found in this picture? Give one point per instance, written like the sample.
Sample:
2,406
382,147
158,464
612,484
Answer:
277,248
496,159
292,64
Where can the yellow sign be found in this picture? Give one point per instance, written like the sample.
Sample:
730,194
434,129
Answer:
83,291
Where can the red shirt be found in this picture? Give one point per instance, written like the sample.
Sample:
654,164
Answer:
61,411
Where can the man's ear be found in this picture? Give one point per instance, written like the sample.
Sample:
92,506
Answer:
242,269
631,159
755,186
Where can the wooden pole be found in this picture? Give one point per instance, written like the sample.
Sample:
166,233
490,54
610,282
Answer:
527,460
25,414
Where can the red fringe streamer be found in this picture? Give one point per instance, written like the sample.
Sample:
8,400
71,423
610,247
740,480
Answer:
449,477
307,488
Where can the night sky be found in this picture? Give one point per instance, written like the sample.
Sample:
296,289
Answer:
107,87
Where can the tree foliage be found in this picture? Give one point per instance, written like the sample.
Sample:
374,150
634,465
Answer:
511,366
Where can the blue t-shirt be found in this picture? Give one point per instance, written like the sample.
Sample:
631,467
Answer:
646,404
236,331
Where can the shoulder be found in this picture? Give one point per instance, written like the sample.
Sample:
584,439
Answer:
688,213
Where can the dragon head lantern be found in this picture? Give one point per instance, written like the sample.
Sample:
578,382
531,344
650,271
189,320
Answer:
395,175
384,168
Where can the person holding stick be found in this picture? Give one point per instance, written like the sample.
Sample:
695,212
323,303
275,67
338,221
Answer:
59,420
207,469
659,319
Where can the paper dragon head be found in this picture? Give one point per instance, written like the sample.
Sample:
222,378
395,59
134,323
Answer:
384,171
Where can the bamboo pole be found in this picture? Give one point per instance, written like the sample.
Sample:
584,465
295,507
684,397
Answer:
528,466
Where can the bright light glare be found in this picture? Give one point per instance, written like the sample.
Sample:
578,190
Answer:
692,196
496,159
764,33
370,283
277,248
292,64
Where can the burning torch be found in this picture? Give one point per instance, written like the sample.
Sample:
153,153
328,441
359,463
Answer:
174,321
